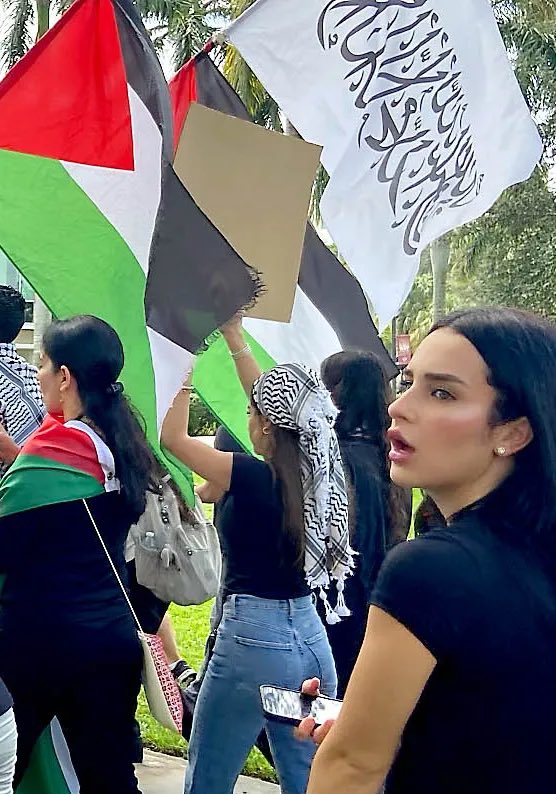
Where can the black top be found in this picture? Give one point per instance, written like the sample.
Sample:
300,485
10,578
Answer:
59,582
260,559
487,612
369,518
369,530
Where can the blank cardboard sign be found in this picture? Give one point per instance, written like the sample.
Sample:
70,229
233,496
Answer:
255,186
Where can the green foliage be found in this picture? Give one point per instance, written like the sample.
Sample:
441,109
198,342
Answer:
509,255
192,628
201,420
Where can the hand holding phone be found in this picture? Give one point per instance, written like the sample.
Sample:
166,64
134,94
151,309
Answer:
286,705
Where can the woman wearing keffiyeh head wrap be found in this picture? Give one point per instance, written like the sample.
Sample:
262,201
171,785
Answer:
294,398
283,530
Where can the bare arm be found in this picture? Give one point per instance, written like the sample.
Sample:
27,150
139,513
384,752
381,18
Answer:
208,463
9,450
388,679
246,365
209,493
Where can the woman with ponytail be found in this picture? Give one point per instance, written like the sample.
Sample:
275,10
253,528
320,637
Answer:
284,532
90,454
379,511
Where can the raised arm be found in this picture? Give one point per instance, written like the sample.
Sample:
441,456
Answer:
208,463
246,365
388,679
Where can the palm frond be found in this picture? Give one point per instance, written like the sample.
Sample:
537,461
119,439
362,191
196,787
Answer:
320,183
18,39
62,6
191,24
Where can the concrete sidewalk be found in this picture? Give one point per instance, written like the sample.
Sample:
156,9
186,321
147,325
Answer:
163,774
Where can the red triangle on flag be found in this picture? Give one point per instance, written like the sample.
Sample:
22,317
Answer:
67,98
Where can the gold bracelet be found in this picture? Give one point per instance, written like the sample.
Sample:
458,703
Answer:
187,388
243,352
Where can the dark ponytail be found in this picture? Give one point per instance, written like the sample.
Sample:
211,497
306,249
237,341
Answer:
93,353
359,389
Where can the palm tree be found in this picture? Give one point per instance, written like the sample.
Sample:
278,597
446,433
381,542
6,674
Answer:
186,25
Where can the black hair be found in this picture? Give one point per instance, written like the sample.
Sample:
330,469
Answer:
285,462
359,388
12,313
519,351
225,442
93,353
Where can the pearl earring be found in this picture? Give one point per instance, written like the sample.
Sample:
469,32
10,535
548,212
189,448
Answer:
500,451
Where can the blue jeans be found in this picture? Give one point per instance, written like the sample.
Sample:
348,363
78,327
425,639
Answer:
260,641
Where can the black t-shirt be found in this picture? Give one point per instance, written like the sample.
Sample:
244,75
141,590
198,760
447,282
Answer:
260,558
487,612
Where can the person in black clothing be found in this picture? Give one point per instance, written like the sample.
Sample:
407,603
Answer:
208,493
274,526
59,583
380,512
455,686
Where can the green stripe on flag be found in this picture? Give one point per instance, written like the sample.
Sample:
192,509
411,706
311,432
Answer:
217,384
44,775
34,481
79,264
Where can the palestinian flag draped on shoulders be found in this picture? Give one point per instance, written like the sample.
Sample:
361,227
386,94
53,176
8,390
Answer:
91,211
58,463
330,312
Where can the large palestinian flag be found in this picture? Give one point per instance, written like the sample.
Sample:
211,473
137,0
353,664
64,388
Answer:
91,211
330,312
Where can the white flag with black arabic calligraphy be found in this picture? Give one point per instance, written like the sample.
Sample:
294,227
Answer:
415,103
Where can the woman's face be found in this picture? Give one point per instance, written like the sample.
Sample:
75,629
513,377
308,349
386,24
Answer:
50,380
441,436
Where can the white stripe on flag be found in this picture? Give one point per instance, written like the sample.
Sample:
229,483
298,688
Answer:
129,199
171,363
306,339
62,754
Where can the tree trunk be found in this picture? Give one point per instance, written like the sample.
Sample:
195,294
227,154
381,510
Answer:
41,315
43,17
289,129
440,261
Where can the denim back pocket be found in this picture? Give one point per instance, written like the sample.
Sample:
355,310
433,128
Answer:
268,644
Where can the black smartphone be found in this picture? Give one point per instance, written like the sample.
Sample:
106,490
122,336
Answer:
286,705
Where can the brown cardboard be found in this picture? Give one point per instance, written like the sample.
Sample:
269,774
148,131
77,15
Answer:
255,186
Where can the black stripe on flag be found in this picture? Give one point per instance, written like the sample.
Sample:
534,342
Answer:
196,280
322,277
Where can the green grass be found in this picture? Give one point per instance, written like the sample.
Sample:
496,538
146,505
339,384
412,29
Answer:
192,628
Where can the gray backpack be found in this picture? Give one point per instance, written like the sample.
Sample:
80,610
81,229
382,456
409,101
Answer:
177,561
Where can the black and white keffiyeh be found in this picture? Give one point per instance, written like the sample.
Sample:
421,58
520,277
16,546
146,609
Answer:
294,397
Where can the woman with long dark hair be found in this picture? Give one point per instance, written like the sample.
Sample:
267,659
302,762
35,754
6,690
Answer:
85,663
455,686
283,529
379,511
